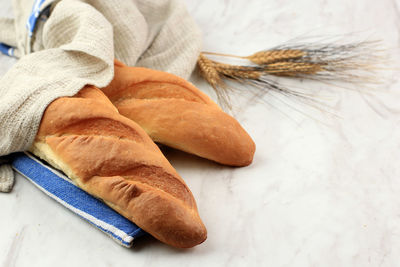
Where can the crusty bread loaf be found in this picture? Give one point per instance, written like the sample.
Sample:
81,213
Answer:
112,158
175,113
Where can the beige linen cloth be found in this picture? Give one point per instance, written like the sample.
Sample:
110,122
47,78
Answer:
76,46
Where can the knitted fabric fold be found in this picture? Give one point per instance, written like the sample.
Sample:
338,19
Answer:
6,177
76,46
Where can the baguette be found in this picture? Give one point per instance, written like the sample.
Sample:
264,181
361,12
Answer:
113,159
174,112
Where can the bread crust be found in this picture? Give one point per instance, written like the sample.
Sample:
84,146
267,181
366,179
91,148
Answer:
175,113
112,158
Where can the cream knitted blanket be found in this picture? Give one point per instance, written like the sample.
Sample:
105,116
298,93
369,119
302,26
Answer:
75,46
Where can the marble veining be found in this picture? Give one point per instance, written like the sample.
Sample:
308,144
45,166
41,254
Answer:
324,190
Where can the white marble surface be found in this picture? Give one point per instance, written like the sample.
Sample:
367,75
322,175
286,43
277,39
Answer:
318,193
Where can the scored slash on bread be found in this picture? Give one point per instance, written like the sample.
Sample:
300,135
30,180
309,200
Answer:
112,158
175,113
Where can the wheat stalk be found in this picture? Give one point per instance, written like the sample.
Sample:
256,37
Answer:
324,62
293,69
231,71
211,74
266,57
272,56
208,71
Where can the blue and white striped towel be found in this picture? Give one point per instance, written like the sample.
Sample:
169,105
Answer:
60,188
7,50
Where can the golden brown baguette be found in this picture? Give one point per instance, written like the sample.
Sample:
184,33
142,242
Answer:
175,113
112,158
